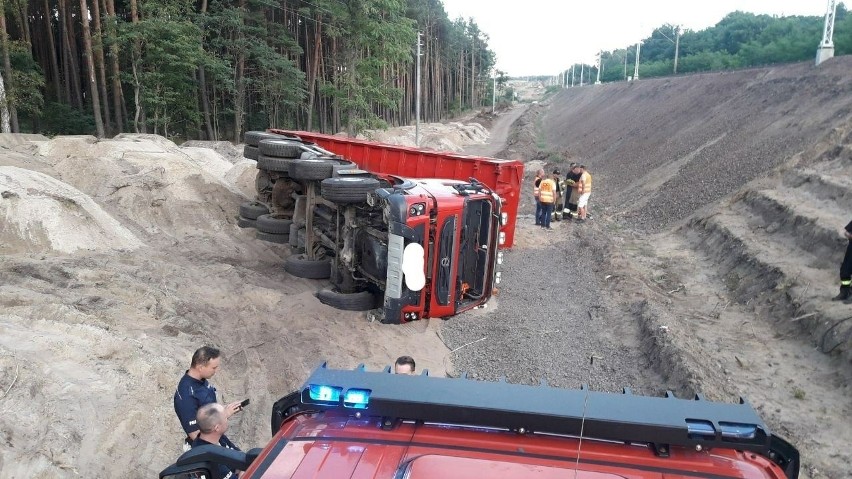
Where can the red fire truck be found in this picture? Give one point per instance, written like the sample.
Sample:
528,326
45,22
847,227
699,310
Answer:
401,232
361,424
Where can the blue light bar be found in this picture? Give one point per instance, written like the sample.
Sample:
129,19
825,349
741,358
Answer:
357,398
732,430
729,430
323,393
696,429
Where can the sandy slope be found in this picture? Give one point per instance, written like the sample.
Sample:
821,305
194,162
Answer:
119,258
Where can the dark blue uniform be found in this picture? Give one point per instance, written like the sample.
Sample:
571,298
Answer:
191,394
224,471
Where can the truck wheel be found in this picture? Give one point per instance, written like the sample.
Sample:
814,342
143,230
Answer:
360,301
253,138
245,222
272,237
280,148
348,189
275,224
252,209
268,163
250,152
294,235
302,267
311,169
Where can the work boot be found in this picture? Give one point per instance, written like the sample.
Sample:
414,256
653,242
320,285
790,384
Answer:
845,294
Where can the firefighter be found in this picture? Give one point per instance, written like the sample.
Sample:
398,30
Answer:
539,175
846,270
547,198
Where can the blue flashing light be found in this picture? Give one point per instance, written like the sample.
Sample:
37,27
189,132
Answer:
696,428
357,398
732,430
318,392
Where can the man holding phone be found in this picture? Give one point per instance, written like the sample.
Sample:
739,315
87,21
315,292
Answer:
194,391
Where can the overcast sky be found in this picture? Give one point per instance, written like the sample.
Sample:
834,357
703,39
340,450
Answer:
538,37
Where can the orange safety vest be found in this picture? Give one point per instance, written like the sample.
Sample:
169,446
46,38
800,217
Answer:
547,191
585,183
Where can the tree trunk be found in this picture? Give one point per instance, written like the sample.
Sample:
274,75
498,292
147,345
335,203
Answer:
7,68
23,19
90,66
312,79
139,117
100,66
4,109
48,24
117,93
66,54
71,52
239,100
202,86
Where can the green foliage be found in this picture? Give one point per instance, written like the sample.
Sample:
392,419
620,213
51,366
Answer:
61,119
27,80
374,34
739,40
165,51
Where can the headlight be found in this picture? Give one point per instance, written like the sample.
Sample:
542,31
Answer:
417,209
500,258
501,239
498,277
504,218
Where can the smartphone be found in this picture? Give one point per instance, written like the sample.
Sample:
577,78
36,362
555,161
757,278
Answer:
244,403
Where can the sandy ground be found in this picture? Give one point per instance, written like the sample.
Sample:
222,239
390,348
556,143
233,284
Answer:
121,257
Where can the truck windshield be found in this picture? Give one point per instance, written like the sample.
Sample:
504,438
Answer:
474,250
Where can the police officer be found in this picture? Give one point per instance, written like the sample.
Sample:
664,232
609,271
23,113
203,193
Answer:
212,423
194,391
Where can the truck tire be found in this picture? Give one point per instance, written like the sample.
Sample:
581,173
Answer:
302,267
268,163
360,301
274,224
245,222
311,169
252,209
280,148
273,238
348,189
250,152
294,235
253,138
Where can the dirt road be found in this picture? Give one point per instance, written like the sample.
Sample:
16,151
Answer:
499,133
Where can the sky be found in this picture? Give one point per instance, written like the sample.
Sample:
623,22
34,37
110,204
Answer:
543,37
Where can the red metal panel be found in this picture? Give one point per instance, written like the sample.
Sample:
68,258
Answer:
503,176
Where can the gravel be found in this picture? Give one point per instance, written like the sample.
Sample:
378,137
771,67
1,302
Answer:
551,315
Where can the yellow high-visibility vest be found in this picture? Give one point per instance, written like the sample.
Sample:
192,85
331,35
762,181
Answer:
547,191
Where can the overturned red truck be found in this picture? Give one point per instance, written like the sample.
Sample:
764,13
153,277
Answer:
401,232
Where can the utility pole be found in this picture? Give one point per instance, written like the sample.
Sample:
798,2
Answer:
826,46
494,95
417,94
582,67
600,64
677,47
636,68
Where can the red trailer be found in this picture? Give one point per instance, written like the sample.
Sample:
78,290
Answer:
502,176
